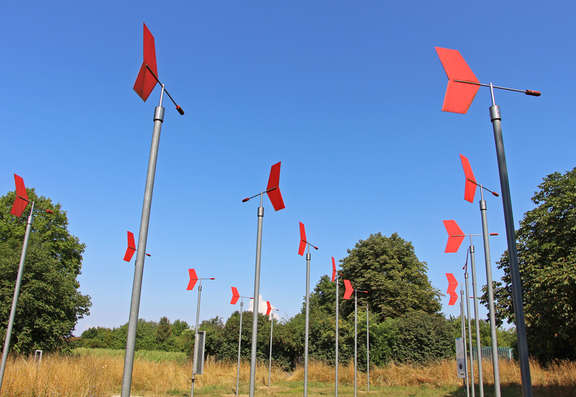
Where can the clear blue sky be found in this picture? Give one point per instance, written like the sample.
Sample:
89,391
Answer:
346,94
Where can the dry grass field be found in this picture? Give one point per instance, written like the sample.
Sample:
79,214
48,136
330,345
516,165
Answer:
94,373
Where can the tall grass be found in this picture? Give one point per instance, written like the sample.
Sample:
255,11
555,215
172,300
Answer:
97,372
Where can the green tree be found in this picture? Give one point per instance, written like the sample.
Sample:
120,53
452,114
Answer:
50,303
395,279
546,243
163,333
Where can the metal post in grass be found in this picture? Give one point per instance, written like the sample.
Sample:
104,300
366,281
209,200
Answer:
336,279
235,297
193,280
305,245
273,193
462,88
145,83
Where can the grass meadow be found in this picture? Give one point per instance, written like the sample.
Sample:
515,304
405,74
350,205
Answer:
98,372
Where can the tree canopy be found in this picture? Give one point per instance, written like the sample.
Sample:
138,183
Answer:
50,303
546,243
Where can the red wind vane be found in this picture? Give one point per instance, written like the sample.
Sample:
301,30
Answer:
235,296
193,279
273,188
268,308
470,187
21,199
452,284
131,247
333,269
459,96
145,82
455,236
302,246
348,289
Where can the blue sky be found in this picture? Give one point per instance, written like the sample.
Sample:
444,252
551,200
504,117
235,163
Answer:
346,94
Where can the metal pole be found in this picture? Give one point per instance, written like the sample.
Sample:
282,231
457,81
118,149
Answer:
239,346
463,329
477,319
469,333
337,335
355,341
196,346
16,293
493,336
367,348
496,119
256,299
141,251
308,257
270,356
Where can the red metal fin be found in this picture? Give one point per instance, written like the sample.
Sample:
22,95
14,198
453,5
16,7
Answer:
349,290
193,279
455,236
470,187
302,246
268,309
145,82
333,269
131,247
21,199
459,96
273,188
235,296
452,284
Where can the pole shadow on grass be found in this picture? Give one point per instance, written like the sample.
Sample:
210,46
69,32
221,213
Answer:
515,390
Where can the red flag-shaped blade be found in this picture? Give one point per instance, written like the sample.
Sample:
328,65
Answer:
145,82
269,308
131,247
470,187
302,245
235,296
452,284
193,279
274,183
459,96
455,236
333,269
21,199
348,289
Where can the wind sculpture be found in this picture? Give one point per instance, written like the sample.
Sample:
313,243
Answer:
145,83
469,192
269,310
336,279
131,247
191,283
235,297
451,291
273,193
356,339
301,248
460,92
20,203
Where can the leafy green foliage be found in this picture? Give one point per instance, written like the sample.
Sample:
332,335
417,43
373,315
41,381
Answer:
546,243
49,304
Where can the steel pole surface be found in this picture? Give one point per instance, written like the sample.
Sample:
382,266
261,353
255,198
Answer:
141,251
16,293
306,331
492,313
337,279
496,119
463,330
367,349
270,355
355,342
239,347
472,388
476,320
256,299
196,346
